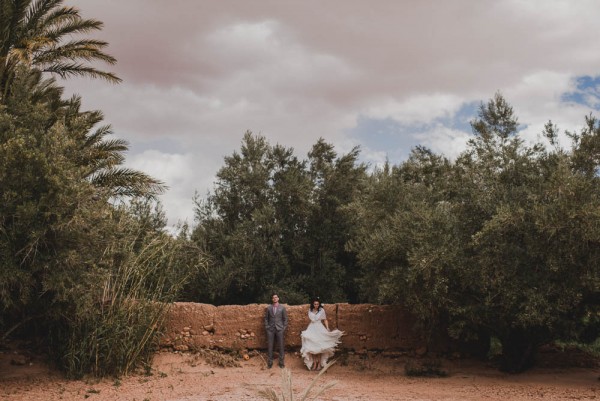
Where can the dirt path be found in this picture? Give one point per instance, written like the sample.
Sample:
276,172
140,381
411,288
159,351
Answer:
181,377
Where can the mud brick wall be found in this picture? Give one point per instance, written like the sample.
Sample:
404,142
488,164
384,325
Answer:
383,327
366,327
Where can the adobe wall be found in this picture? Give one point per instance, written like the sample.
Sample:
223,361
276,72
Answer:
366,326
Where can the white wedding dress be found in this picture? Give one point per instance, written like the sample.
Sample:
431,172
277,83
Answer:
316,339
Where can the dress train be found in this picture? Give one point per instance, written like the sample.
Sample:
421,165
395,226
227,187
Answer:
316,339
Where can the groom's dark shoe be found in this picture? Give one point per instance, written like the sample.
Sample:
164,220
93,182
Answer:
269,365
281,365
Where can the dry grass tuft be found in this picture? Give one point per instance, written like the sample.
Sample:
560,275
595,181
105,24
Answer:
287,392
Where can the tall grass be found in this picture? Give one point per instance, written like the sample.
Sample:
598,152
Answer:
115,330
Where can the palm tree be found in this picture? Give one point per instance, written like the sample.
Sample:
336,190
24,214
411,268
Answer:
102,158
35,38
97,158
37,34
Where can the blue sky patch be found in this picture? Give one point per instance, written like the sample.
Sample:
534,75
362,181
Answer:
396,138
586,93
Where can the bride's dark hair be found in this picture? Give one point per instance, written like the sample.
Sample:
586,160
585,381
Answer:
312,301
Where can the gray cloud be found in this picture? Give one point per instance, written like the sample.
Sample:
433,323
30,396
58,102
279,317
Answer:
198,73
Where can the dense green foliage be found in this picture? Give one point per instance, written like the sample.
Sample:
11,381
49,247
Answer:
503,242
275,223
85,264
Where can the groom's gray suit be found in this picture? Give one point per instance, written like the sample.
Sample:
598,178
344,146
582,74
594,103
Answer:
275,325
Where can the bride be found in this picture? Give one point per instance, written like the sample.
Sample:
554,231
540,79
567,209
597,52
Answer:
318,343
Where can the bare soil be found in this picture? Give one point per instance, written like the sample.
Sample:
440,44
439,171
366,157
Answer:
368,377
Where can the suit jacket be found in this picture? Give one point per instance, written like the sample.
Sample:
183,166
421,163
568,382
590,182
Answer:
276,321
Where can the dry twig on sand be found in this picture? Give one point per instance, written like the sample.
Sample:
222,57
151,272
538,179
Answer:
287,392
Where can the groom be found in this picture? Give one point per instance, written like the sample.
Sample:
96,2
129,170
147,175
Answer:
276,322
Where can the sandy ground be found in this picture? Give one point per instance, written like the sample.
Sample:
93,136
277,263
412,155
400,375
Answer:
186,377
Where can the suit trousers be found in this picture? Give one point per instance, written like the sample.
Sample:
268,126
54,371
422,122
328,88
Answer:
271,336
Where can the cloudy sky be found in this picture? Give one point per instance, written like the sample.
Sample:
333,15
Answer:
385,75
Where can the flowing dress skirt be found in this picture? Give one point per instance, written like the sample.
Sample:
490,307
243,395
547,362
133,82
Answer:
317,340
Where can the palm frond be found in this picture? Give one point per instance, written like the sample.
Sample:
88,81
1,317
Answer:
76,50
73,26
124,182
58,16
111,146
20,55
98,135
91,118
102,148
12,13
36,11
83,43
36,33
65,70
96,162
47,89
